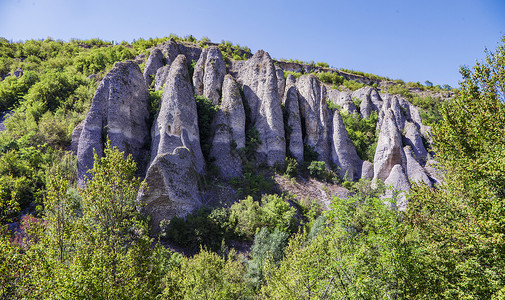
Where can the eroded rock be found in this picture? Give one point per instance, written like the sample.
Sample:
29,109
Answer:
177,122
259,82
171,189
389,151
119,111
229,131
209,74
343,153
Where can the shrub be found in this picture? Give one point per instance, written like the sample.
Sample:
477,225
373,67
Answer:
206,111
317,169
362,133
266,247
331,78
353,85
274,212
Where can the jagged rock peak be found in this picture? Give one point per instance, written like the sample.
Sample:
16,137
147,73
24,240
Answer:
177,122
171,188
119,111
229,131
153,63
294,135
398,184
161,77
342,99
209,74
343,153
415,171
414,139
259,82
389,151
317,116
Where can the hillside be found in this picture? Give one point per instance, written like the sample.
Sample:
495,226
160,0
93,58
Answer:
123,161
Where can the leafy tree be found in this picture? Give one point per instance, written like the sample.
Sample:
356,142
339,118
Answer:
207,276
460,225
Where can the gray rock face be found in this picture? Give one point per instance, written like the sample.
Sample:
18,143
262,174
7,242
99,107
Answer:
413,138
161,77
281,81
370,100
209,74
170,50
76,134
415,171
291,80
343,153
389,150
177,122
367,170
171,187
398,182
342,99
294,135
229,127
119,110
154,62
315,114
259,81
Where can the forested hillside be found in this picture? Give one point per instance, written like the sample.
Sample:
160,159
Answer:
176,168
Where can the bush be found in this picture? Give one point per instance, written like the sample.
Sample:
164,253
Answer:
274,212
362,133
353,85
206,111
331,78
317,169
266,247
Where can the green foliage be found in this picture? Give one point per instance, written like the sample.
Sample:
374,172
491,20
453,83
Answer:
206,111
273,212
431,109
353,85
295,74
400,89
361,254
331,78
322,64
309,154
266,247
318,170
155,101
207,276
234,51
291,167
204,227
362,133
460,225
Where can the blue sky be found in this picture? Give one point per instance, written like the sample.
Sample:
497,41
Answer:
405,39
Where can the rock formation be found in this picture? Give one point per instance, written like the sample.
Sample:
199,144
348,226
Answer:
414,139
171,188
119,111
343,153
315,116
259,82
389,151
229,131
153,63
209,74
294,131
342,99
415,171
397,183
161,77
177,122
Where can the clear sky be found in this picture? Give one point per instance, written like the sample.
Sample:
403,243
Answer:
413,40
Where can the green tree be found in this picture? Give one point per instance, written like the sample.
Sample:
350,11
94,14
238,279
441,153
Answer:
460,225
